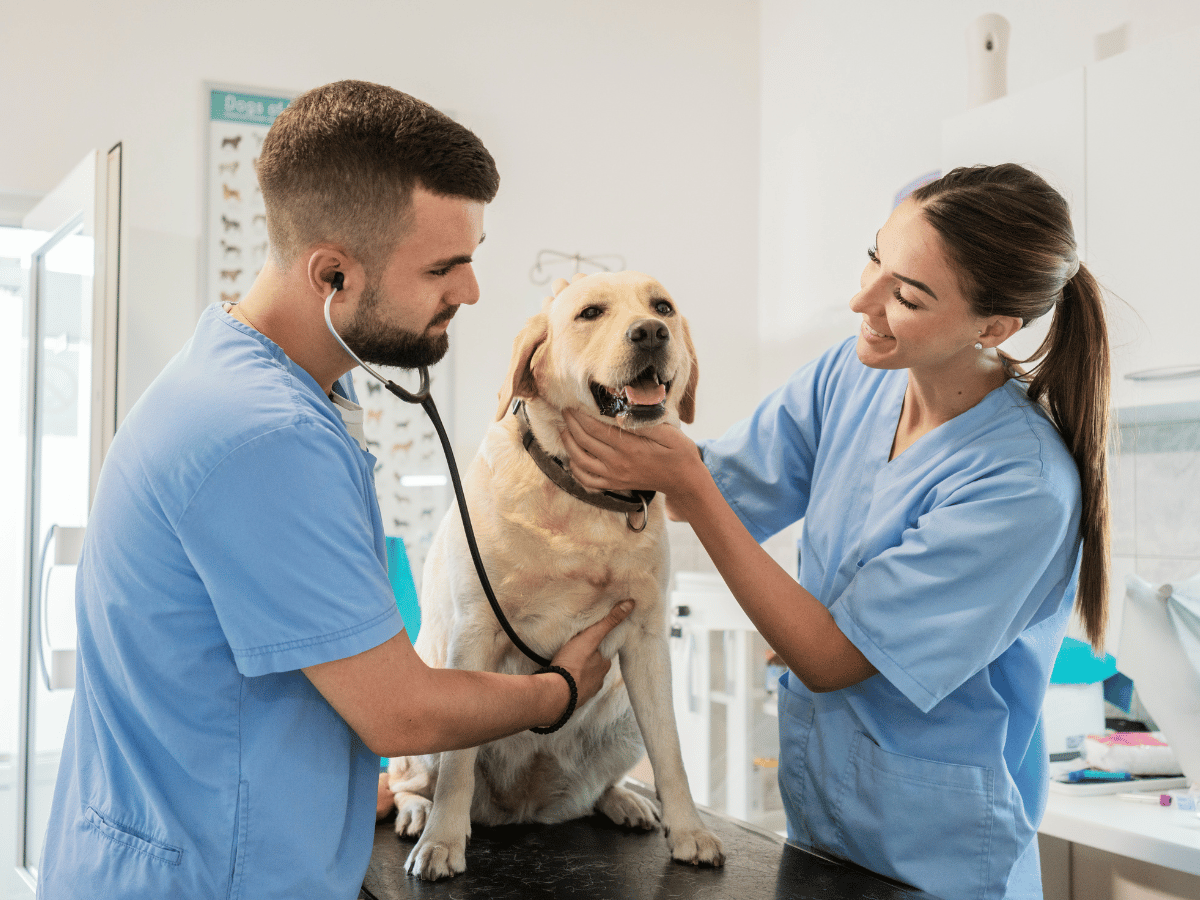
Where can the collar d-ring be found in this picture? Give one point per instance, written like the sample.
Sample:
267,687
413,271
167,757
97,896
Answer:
645,517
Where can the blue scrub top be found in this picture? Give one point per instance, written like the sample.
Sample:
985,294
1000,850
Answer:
234,539
952,568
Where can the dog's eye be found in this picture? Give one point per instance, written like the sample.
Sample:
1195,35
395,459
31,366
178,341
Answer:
663,308
591,312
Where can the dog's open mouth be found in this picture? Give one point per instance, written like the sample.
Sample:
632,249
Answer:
643,398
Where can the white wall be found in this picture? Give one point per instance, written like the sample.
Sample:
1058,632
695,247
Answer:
853,98
625,127
639,128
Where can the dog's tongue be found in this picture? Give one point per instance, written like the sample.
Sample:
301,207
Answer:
645,395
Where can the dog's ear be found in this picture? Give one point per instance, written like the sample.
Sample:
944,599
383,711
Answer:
687,403
520,381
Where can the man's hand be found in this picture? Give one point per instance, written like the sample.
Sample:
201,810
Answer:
580,655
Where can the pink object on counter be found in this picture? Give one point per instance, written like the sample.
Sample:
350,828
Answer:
1130,739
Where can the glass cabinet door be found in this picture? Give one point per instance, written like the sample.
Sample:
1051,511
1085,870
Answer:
16,248
58,291
58,471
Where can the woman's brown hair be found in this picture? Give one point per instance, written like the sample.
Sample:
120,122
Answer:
1009,235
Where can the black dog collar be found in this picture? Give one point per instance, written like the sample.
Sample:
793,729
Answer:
554,469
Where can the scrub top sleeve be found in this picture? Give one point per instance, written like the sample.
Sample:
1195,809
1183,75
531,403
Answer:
763,465
281,533
961,586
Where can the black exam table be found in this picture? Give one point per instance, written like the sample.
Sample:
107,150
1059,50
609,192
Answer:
592,859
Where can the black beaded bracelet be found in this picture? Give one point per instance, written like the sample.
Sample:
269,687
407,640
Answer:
550,729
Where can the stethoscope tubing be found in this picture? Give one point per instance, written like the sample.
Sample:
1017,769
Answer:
419,397
424,399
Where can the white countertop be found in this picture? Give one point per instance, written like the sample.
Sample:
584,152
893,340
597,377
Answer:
1163,836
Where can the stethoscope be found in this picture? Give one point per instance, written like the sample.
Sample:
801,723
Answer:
423,398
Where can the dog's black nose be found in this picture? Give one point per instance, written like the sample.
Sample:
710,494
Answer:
648,334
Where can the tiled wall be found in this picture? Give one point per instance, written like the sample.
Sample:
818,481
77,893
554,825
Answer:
1155,472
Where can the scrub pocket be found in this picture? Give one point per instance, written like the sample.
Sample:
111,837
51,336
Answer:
928,824
122,839
796,715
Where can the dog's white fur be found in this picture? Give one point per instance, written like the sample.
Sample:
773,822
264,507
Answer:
557,565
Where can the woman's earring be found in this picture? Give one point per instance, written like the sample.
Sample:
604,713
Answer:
978,346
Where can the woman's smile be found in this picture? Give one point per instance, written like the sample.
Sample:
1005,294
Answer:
872,333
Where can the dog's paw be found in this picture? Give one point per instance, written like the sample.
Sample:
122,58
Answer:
696,846
628,808
412,812
433,860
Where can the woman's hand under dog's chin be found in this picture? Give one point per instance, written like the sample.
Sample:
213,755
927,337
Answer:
659,458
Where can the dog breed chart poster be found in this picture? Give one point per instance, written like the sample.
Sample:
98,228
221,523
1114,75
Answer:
236,223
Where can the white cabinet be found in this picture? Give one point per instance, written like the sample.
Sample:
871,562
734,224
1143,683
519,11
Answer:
1119,138
728,727
1143,170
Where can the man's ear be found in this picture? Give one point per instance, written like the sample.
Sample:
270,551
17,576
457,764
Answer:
522,379
324,262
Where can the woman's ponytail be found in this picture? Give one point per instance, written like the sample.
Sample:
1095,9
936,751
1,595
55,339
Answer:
1072,381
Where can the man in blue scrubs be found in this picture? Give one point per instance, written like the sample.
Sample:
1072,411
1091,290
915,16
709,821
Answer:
242,664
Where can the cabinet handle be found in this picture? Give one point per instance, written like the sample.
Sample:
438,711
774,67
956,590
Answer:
68,544
1166,373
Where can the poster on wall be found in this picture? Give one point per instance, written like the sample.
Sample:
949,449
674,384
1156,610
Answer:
411,479
235,227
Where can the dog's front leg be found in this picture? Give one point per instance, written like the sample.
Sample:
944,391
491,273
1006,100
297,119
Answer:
412,780
442,849
646,668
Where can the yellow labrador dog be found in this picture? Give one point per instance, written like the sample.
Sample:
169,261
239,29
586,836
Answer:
610,345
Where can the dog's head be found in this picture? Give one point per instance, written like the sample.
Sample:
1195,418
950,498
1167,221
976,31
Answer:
611,344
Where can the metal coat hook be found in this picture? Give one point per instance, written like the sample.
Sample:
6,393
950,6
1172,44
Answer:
539,275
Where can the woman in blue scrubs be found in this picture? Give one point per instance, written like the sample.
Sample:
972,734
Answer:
955,508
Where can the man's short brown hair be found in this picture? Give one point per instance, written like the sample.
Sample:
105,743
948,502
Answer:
341,161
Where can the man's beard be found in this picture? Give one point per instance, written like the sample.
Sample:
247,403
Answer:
382,346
